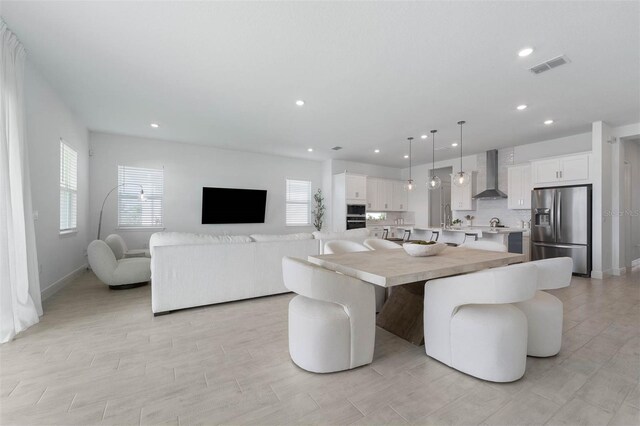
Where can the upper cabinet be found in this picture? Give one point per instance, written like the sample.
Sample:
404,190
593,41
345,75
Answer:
462,197
519,187
356,188
570,169
400,196
386,195
372,193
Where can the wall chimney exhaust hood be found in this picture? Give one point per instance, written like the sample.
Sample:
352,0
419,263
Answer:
492,192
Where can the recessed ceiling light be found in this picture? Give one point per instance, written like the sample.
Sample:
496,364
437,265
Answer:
406,156
525,52
310,149
454,144
521,107
423,136
547,122
376,151
299,102
155,125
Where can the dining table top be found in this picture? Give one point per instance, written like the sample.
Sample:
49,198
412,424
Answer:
392,267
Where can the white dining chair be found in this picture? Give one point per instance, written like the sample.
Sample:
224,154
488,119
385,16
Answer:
485,245
545,311
470,323
346,246
331,321
343,246
378,244
120,249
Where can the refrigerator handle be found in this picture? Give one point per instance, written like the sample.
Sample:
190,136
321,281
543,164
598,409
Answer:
558,200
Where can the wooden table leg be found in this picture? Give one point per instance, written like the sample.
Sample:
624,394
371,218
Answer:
402,314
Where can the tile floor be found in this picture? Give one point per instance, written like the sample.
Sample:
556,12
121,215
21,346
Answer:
100,357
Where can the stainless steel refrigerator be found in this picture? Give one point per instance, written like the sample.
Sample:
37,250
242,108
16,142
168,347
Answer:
561,225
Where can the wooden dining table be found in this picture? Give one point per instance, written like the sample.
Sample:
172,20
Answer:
402,313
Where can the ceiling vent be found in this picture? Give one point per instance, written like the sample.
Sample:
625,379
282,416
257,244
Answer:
550,64
336,148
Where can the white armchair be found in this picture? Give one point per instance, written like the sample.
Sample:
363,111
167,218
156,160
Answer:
120,249
544,311
346,246
471,325
331,321
379,244
117,274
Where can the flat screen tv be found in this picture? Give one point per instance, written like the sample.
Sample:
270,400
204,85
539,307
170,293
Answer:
230,205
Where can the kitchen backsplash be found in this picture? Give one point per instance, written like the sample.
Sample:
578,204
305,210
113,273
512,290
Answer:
487,209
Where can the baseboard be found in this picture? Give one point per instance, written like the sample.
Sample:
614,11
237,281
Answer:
62,282
599,275
619,271
635,263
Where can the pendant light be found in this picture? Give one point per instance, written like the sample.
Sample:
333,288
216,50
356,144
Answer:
434,181
461,178
409,185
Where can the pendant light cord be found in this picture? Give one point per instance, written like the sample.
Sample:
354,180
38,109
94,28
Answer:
461,123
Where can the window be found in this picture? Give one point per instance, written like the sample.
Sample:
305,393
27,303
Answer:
68,188
298,202
134,210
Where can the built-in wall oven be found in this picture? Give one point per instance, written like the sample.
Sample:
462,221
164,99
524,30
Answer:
356,216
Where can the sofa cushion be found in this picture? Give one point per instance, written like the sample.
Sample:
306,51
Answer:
281,237
187,238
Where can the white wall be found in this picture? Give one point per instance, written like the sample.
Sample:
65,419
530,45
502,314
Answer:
602,200
633,158
48,120
187,168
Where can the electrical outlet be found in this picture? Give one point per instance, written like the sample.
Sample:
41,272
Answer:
36,215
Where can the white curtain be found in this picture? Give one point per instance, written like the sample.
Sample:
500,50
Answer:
20,305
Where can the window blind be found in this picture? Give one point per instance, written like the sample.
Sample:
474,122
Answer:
134,211
68,188
298,202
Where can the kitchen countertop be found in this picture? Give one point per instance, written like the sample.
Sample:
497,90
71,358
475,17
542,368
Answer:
478,229
381,223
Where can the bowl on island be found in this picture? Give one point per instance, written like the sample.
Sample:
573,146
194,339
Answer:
423,248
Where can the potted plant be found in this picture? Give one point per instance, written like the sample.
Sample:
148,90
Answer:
318,211
456,223
469,219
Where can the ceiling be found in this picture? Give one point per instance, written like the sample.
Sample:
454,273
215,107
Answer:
371,73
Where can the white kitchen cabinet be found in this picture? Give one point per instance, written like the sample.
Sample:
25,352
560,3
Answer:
571,169
372,194
462,197
519,187
400,197
356,188
385,194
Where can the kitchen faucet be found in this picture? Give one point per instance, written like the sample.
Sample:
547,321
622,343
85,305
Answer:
447,216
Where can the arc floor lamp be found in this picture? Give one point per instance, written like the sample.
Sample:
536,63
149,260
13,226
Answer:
142,197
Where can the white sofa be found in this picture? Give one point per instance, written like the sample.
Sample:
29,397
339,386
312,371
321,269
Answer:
189,270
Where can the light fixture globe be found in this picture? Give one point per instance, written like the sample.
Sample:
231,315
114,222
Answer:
461,179
409,185
434,182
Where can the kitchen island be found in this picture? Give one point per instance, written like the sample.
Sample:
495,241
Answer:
512,238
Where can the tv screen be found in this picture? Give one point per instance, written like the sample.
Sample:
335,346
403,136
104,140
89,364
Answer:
229,205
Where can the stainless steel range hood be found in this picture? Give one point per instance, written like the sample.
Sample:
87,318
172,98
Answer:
492,192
